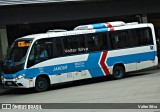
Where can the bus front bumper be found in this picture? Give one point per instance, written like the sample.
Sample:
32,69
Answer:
18,83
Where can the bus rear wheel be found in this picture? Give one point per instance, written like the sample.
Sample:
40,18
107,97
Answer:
41,84
118,72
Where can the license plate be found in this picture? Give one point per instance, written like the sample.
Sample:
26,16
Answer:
9,83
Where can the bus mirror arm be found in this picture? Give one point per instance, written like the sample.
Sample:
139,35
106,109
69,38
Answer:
8,48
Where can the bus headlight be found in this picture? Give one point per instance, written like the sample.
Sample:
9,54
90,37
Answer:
20,76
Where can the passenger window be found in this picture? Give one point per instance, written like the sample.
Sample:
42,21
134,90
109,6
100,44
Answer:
145,37
141,37
58,47
71,45
97,42
134,39
82,46
119,39
92,42
102,43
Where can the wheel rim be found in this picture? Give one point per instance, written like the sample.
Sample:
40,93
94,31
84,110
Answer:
118,73
41,84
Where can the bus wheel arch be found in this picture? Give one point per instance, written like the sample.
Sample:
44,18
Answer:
42,83
118,71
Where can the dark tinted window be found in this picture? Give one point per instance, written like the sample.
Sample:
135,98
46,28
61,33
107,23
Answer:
74,45
92,42
78,44
102,43
134,38
58,47
141,37
71,45
96,42
145,37
82,44
119,39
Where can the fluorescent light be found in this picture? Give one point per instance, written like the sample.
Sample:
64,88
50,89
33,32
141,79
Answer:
16,2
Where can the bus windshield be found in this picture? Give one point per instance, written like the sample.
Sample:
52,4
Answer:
17,52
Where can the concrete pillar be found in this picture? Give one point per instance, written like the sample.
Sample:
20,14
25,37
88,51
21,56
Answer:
1,54
3,43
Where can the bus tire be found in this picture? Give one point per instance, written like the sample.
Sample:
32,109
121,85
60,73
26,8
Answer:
41,84
118,72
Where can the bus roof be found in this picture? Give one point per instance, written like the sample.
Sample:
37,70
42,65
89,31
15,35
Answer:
80,30
32,36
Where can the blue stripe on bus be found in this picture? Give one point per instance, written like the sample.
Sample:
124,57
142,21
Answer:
132,58
92,65
98,25
102,30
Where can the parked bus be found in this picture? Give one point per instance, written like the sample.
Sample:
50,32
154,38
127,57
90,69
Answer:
89,51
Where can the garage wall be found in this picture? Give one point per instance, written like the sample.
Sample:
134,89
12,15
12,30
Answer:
61,12
23,14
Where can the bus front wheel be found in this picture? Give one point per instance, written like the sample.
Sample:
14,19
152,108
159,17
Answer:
118,72
41,84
